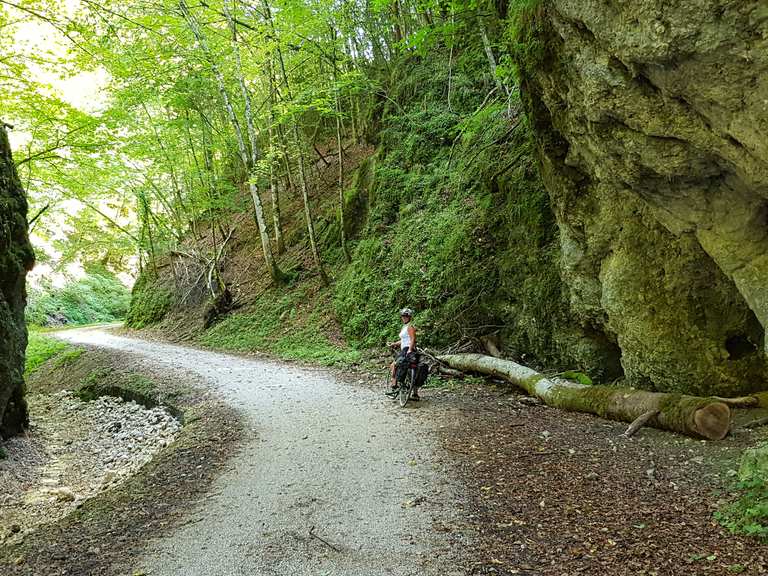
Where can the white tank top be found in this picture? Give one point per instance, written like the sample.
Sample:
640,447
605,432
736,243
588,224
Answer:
405,338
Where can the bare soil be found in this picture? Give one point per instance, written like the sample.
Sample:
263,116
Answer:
557,493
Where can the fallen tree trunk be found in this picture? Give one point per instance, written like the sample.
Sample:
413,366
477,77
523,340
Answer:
690,415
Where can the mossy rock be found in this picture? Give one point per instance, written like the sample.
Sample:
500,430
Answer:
16,258
151,300
754,464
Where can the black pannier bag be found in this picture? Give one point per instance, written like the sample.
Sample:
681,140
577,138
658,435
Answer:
421,375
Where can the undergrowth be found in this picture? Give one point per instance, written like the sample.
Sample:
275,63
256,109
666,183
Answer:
460,228
150,301
96,297
290,323
748,514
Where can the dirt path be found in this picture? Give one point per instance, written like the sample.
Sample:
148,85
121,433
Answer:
325,485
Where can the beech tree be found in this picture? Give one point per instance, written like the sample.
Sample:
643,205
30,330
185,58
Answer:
200,101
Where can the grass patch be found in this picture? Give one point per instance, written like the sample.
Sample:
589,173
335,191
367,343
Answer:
40,349
68,357
298,325
150,302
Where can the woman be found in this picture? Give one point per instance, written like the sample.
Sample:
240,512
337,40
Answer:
407,345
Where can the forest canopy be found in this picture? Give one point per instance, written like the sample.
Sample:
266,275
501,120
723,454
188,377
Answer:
139,125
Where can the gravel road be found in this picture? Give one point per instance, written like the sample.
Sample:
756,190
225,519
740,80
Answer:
333,480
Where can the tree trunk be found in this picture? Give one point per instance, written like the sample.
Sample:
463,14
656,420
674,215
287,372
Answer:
276,222
396,21
690,415
274,271
16,258
307,211
342,224
274,180
300,153
290,183
489,51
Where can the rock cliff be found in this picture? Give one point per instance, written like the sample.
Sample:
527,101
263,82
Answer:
651,120
16,258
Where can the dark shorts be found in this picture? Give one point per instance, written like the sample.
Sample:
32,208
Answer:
402,362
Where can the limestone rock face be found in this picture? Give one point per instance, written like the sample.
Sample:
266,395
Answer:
16,258
651,120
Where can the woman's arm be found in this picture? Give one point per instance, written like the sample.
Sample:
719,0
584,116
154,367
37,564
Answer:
412,334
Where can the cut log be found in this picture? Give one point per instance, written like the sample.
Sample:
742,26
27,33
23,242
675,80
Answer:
690,415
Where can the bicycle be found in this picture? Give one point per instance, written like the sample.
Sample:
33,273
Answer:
405,383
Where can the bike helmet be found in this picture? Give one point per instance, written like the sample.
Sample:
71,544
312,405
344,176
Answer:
406,312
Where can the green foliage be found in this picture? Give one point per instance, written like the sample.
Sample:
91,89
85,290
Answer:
749,513
40,349
96,297
460,229
150,302
526,49
296,325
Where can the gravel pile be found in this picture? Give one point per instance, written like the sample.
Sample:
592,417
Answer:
74,450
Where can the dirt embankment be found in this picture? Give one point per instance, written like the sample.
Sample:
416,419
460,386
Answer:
113,481
72,451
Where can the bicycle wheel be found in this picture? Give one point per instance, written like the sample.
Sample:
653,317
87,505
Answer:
405,388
